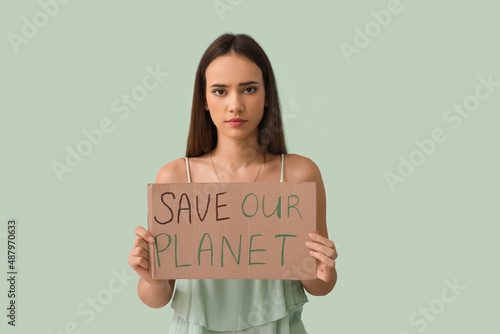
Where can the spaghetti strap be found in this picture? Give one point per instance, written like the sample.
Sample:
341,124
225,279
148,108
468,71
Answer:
187,169
282,163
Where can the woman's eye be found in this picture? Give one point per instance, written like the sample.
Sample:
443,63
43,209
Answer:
220,92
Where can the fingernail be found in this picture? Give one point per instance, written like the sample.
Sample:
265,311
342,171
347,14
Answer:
308,243
150,239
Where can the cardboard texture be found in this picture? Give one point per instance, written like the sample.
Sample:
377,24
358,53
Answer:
231,230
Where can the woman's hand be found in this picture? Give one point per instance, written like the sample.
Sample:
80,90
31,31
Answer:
324,250
139,255
152,292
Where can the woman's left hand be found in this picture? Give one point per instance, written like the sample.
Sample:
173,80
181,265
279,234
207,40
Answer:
324,250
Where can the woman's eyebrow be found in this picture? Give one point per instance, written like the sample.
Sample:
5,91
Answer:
240,84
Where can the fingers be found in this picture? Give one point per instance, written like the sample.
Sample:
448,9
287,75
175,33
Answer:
322,249
322,245
322,240
140,266
145,234
329,252
143,238
139,252
327,261
136,262
140,242
139,255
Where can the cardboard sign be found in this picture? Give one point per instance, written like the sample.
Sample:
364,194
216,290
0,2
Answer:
231,230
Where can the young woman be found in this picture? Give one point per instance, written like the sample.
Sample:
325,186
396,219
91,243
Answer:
236,135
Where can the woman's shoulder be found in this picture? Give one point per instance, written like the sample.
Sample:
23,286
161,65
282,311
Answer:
301,169
299,160
173,172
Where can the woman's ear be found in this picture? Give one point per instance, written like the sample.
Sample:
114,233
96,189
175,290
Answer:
206,105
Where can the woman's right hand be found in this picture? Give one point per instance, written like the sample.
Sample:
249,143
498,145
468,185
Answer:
152,292
139,255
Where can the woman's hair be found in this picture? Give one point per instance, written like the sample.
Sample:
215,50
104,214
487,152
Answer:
202,131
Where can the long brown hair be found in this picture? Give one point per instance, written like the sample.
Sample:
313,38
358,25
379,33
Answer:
202,131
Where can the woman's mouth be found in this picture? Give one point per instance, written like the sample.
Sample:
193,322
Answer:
236,121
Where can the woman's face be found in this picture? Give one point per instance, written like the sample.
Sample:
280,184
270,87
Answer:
235,89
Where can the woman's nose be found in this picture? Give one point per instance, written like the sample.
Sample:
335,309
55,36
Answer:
235,103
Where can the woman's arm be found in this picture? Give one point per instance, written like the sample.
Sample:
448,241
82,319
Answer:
321,247
154,293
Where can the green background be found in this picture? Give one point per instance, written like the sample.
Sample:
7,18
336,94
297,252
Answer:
353,119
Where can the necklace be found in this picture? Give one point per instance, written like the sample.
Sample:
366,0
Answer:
218,174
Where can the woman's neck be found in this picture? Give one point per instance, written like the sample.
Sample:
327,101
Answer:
236,154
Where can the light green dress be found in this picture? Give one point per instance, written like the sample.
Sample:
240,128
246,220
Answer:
238,306
247,306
